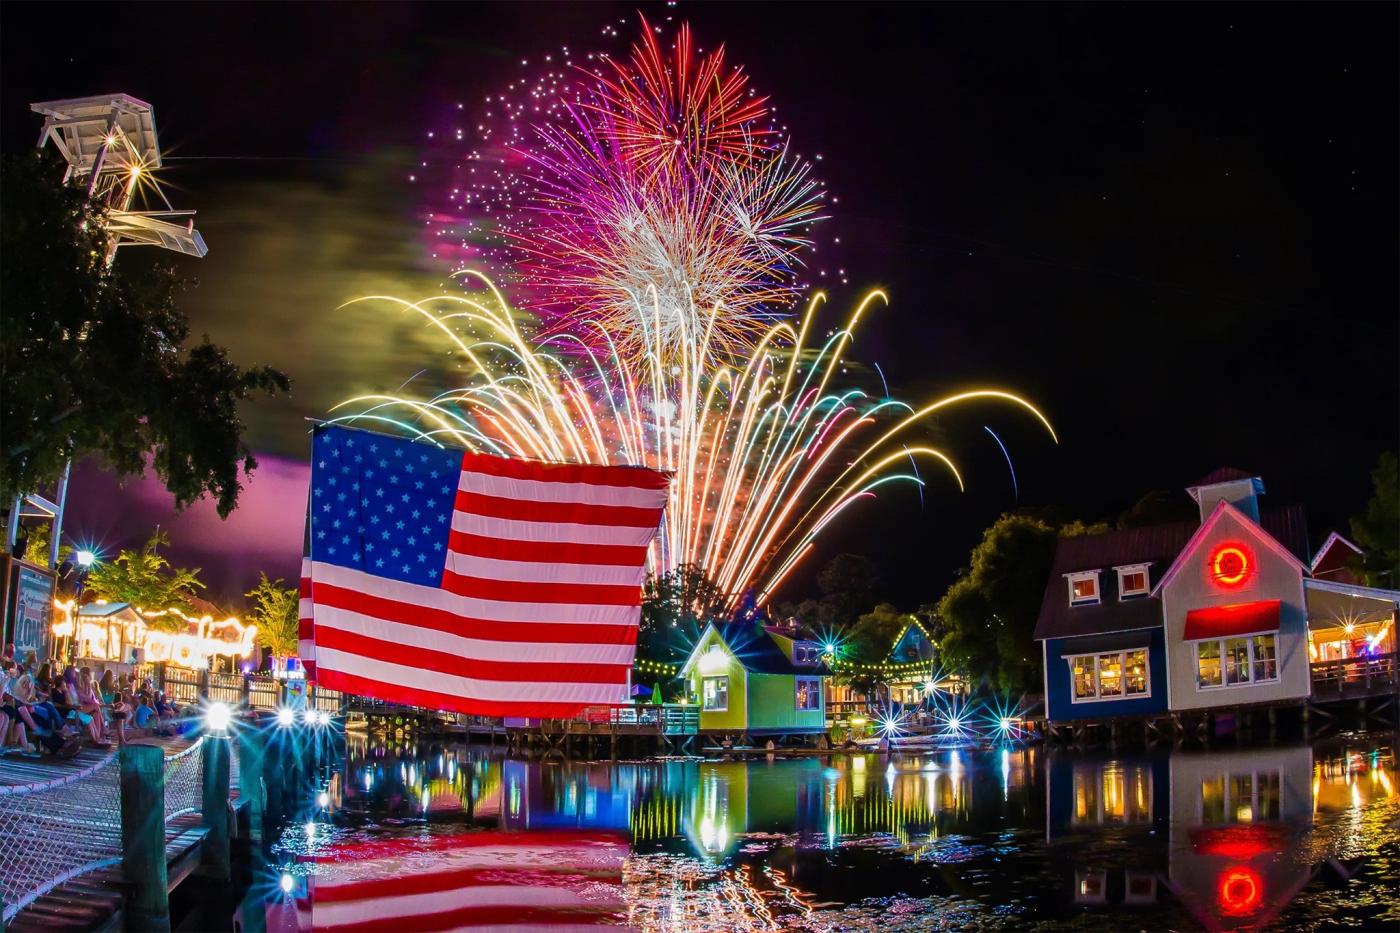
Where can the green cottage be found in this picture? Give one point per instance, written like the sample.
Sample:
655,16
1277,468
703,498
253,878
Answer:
749,681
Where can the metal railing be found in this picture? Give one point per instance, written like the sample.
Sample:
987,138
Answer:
1368,675
183,686
668,719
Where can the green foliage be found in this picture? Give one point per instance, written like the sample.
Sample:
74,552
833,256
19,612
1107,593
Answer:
989,612
1158,507
676,607
36,550
871,638
145,579
848,585
276,613
92,355
1377,529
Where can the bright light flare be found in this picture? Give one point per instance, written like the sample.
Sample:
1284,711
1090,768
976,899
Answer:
286,717
217,717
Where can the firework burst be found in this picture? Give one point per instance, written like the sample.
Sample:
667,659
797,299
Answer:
651,193
766,455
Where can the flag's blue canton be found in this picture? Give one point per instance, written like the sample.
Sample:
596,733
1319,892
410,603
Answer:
382,504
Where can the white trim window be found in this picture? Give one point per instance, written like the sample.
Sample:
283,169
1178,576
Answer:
1083,587
1114,675
808,693
714,694
1237,661
806,653
1132,581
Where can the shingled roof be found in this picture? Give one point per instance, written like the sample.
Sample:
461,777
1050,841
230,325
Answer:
1155,545
1223,475
758,651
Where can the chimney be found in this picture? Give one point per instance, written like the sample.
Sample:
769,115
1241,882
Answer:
1236,487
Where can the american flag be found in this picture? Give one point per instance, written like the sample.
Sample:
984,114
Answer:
462,581
560,880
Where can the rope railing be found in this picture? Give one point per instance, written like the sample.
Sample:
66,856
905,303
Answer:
184,782
52,831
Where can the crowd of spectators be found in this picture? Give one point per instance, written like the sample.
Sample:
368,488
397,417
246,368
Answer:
59,711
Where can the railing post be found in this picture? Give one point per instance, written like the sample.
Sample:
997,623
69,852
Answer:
252,751
215,857
143,836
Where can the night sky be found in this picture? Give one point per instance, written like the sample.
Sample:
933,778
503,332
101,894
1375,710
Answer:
1173,226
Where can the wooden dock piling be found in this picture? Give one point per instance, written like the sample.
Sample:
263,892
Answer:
143,836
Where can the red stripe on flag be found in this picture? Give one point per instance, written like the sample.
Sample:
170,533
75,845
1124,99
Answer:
598,839
511,591
441,620
441,662
553,552
431,699
557,513
564,472
537,917
403,885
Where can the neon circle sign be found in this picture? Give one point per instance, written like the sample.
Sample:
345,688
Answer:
1230,564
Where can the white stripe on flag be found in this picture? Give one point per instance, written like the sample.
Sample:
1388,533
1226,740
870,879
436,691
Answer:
529,490
525,571
412,594
513,530
417,678
413,636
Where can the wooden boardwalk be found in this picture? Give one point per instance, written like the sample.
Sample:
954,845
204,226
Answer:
95,899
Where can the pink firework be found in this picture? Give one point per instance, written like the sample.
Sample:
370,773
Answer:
651,196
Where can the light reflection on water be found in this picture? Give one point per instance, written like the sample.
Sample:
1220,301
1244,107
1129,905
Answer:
445,837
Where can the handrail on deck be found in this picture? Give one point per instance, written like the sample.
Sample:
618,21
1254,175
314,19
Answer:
1367,674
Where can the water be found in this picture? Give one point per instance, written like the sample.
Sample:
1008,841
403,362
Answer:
1032,838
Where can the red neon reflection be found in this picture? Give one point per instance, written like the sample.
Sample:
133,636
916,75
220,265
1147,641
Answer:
1237,842
1229,564
1241,890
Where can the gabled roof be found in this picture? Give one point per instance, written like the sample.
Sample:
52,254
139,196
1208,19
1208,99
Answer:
913,623
1333,540
1154,545
755,649
1223,508
1224,475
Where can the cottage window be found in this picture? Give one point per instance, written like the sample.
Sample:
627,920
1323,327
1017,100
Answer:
806,653
809,693
715,694
1234,662
1132,580
1083,588
1110,676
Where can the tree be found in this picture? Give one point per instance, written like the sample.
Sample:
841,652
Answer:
1158,507
1377,529
989,612
676,607
873,635
277,614
93,358
145,579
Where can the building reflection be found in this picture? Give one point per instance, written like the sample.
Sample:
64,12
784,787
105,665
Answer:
1227,834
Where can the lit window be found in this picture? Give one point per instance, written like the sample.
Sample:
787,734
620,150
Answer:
1084,682
1110,676
1233,662
1083,587
1135,673
809,693
715,694
1265,659
1240,797
1208,664
1132,580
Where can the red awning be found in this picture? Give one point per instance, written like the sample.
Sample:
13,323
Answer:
1237,619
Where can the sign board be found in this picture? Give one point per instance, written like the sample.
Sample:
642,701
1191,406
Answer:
31,615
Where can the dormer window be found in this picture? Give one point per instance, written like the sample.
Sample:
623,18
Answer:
806,653
1083,587
1132,581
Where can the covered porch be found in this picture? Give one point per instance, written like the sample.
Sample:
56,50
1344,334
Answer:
1351,639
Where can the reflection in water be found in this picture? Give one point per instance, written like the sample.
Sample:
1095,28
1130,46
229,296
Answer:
1014,837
